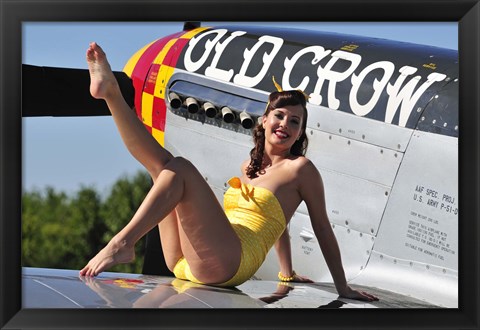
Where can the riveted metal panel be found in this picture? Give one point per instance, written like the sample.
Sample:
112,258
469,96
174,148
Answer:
353,158
358,128
354,203
423,208
416,249
355,248
441,113
201,143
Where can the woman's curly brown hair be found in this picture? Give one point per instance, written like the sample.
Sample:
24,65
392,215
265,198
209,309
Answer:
299,148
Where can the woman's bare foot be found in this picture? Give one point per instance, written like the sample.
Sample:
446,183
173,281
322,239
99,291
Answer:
116,252
103,83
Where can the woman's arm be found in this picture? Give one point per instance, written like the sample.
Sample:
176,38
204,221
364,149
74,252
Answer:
284,253
313,193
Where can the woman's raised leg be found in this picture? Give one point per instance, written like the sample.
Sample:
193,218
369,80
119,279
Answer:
136,138
207,239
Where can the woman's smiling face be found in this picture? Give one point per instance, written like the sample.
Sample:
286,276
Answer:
283,126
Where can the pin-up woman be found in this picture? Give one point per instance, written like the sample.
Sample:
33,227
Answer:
202,241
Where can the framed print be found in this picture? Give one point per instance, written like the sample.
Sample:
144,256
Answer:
408,233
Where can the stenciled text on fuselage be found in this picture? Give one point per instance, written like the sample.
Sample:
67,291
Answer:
403,93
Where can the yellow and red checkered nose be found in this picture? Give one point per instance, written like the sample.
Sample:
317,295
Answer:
150,70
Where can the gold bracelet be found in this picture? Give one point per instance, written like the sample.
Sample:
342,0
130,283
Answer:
286,279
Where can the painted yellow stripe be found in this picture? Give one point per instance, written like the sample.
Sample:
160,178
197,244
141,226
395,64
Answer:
159,136
130,65
164,75
132,62
161,56
191,34
166,71
147,106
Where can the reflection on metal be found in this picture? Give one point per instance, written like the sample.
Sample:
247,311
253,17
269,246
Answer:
55,288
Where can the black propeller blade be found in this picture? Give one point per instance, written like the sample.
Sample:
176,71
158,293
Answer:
48,91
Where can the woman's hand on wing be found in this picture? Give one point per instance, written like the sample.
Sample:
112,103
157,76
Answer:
358,295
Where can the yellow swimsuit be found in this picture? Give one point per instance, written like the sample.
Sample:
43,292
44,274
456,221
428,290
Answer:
257,218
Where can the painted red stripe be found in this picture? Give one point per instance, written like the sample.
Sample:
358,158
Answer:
142,68
143,64
145,74
151,79
172,55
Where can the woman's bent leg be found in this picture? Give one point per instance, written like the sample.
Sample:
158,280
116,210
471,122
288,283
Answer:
207,239
170,240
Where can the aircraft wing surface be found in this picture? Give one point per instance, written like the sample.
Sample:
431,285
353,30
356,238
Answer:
59,288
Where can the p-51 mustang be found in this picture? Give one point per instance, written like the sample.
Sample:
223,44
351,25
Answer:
383,132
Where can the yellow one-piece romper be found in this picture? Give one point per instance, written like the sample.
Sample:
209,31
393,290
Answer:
258,220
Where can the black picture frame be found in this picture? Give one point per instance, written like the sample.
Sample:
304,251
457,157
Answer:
14,12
